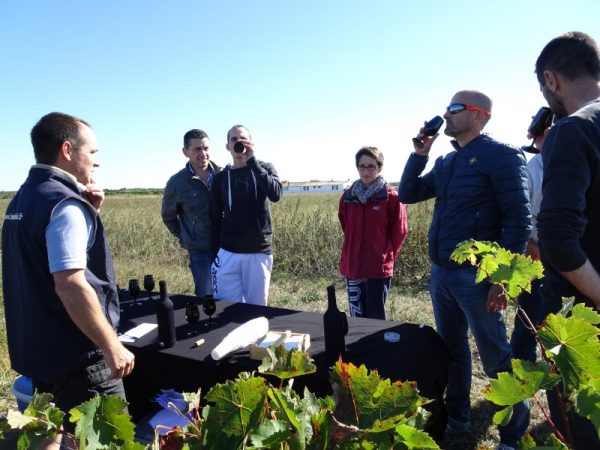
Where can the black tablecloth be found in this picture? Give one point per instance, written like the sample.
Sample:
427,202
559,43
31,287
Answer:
419,356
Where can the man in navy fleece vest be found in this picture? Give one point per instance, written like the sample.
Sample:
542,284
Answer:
60,296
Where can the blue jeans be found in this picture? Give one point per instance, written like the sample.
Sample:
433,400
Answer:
459,304
522,341
200,263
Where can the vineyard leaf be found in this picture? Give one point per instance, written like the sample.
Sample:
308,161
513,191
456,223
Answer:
238,407
367,401
284,403
40,407
322,425
525,380
487,267
17,420
413,438
40,420
371,441
29,439
527,443
192,400
567,306
587,402
580,311
536,375
364,444
503,416
39,402
554,443
499,266
285,364
515,272
573,345
54,417
302,413
124,446
467,251
102,420
211,436
4,427
269,433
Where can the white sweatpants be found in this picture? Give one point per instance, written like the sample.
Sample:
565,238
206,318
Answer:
242,277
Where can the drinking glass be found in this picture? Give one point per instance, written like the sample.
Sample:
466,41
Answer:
192,315
209,307
149,285
134,290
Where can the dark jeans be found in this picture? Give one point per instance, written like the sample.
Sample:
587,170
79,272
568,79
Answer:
522,341
367,297
81,386
459,304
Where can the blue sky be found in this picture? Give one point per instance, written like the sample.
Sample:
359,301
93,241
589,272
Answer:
312,80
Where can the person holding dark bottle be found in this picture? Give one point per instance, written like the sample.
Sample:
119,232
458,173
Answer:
241,222
568,71
480,191
60,296
375,227
522,340
186,207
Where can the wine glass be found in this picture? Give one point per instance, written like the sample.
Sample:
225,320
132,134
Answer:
192,315
149,285
134,290
209,307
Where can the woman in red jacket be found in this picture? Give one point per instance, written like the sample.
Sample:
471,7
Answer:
374,224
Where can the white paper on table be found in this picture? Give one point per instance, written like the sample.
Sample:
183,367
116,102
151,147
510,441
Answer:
244,335
137,332
292,341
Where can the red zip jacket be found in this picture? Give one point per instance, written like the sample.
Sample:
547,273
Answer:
373,234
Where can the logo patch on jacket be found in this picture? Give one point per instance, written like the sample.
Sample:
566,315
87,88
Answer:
473,161
376,207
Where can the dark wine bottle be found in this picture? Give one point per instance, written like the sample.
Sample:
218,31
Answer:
165,318
335,325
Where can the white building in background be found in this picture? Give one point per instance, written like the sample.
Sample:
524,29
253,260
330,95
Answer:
312,187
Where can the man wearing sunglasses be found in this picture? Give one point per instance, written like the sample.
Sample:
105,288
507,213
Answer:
481,192
568,70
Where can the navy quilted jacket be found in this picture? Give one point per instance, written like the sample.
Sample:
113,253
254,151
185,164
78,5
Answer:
480,192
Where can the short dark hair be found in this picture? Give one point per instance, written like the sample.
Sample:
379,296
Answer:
193,134
372,152
51,132
239,126
573,55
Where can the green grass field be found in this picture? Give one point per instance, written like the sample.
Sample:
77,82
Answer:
307,244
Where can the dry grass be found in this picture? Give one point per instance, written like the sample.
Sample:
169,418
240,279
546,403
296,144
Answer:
307,242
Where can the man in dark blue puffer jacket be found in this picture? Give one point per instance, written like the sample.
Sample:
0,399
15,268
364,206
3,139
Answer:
480,192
